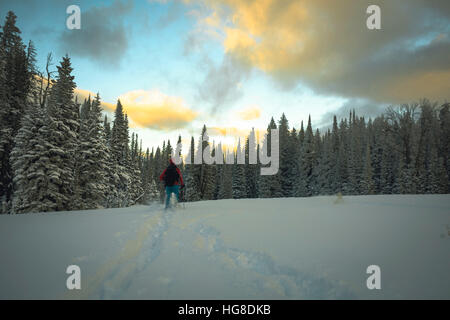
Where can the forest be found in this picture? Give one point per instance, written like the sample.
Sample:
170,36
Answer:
58,154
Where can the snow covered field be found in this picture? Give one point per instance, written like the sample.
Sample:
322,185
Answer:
294,248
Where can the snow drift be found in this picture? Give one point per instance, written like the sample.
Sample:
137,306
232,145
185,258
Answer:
285,248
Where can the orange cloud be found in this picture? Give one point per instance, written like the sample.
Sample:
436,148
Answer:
153,109
438,82
148,109
267,34
145,109
212,20
325,44
250,113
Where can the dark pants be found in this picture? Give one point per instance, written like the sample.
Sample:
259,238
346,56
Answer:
175,189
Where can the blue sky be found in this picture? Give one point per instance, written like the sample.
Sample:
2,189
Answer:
233,64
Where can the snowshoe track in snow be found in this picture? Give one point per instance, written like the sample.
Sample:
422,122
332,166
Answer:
286,282
115,276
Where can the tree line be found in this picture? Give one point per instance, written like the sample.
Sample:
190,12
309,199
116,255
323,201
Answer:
403,151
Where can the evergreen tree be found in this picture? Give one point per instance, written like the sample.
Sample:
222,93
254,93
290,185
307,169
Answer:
238,178
218,175
335,182
16,74
444,137
269,185
92,159
317,144
107,129
112,196
287,159
367,187
135,191
226,182
427,148
308,158
204,173
192,192
28,163
251,170
324,168
62,135
119,138
120,154
85,110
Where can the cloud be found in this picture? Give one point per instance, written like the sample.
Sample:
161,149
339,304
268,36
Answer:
362,107
42,31
147,109
208,27
222,84
249,113
103,36
153,109
325,45
174,11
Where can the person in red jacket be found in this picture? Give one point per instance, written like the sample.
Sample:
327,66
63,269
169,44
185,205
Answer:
172,180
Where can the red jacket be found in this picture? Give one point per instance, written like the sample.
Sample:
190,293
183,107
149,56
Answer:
161,177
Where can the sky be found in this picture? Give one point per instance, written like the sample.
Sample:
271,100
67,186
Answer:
234,64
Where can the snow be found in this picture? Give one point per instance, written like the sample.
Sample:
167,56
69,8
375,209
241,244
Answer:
284,248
